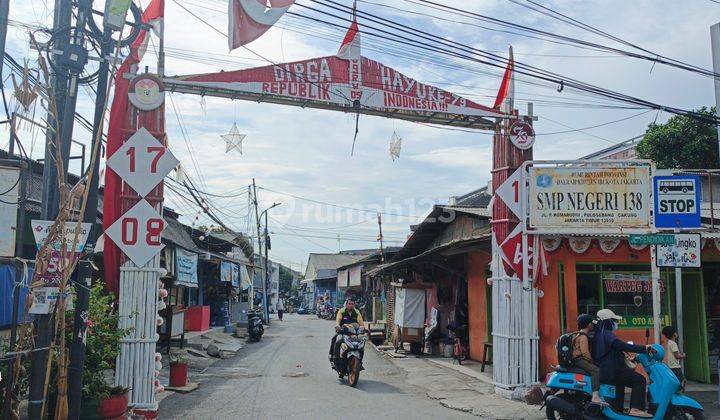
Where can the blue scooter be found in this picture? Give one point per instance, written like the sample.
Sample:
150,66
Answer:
570,392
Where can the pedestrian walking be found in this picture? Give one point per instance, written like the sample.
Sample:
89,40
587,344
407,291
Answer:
280,309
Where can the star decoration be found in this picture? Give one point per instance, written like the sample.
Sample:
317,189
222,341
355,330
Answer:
233,139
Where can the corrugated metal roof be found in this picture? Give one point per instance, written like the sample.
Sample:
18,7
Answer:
176,233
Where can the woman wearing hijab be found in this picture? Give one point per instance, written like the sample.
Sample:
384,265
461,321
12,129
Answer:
609,355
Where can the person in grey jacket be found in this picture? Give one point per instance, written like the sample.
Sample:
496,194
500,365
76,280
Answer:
609,355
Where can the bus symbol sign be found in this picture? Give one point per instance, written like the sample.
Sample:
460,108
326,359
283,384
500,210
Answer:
677,201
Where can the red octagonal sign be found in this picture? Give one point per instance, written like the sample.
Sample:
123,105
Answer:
142,162
138,233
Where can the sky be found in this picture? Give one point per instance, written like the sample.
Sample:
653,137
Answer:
301,158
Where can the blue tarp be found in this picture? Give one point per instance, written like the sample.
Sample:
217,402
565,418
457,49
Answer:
7,282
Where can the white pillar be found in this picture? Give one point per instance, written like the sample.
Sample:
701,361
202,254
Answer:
138,311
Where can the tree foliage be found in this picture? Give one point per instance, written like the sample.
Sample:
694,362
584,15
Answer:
286,278
682,142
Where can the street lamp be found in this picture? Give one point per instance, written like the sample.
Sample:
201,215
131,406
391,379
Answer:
266,310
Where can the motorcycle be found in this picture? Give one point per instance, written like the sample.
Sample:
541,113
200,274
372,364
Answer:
352,350
255,327
570,393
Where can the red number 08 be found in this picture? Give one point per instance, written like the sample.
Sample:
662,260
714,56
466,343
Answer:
153,228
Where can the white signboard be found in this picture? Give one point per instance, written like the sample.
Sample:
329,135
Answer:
512,192
138,233
142,162
45,298
9,194
684,253
41,230
607,198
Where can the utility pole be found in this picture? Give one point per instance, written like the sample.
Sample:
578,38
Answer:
267,270
259,252
82,301
4,13
380,238
715,45
51,200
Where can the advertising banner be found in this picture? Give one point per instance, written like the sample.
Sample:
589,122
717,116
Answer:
52,276
590,197
226,271
235,275
186,267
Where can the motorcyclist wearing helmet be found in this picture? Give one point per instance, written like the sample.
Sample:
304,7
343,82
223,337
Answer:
609,354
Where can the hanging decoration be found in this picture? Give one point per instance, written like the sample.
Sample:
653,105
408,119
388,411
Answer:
551,244
395,146
608,245
233,139
25,94
579,245
180,175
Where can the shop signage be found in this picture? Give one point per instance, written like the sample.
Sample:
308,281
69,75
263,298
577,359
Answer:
640,321
512,192
677,201
186,263
142,162
607,198
138,233
657,239
684,252
630,284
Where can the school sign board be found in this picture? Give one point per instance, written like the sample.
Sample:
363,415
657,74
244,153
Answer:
677,201
604,198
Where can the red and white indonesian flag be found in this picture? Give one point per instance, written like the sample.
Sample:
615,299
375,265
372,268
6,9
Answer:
249,19
506,94
153,16
350,47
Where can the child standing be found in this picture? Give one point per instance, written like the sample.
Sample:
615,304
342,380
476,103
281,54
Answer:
582,357
673,355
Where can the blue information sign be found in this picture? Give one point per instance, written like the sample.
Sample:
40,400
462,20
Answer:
677,201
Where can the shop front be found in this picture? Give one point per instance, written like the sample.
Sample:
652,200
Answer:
587,274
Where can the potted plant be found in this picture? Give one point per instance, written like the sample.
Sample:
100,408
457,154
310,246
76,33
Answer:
101,399
178,370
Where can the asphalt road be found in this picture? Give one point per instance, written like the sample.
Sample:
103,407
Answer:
258,383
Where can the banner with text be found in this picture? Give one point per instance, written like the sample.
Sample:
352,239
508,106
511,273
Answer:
585,197
332,80
186,263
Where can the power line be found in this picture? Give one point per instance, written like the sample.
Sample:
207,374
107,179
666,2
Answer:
494,59
340,206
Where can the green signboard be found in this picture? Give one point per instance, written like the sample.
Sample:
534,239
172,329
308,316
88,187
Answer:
640,322
652,239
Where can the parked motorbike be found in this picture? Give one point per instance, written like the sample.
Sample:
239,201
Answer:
352,349
570,394
255,327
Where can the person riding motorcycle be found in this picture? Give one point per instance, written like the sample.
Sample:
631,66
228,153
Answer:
345,316
609,354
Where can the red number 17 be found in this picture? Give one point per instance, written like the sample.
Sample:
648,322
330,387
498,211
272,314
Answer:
158,150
